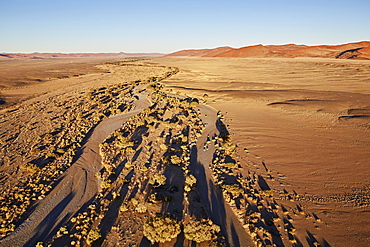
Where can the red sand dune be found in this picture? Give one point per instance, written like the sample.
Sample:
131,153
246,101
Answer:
251,51
364,53
358,50
217,51
201,52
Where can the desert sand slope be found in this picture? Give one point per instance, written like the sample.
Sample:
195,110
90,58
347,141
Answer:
250,51
190,53
302,130
364,53
201,53
217,51
289,50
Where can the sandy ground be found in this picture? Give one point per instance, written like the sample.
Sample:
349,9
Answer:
93,158
19,76
79,155
303,125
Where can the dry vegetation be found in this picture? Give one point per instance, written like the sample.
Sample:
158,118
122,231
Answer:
144,176
120,159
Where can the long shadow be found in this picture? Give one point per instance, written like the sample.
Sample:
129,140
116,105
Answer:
34,206
270,227
221,127
146,243
262,183
325,244
213,203
234,234
311,239
80,151
113,212
45,228
174,186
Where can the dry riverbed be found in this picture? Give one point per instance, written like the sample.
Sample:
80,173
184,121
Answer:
137,152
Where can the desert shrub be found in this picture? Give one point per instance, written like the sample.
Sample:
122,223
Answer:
134,201
230,164
35,151
200,231
161,228
268,193
105,184
175,160
228,147
154,198
123,208
144,169
157,180
190,180
63,230
141,208
93,236
163,147
30,167
128,164
194,103
124,143
234,189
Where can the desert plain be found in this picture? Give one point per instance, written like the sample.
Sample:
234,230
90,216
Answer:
184,151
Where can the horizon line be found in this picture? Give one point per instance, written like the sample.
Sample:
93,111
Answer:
165,53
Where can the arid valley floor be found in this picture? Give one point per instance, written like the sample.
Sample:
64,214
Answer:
221,151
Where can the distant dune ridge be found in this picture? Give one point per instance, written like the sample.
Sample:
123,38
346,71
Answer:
358,50
47,55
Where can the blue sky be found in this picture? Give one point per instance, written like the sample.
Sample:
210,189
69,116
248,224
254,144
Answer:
167,26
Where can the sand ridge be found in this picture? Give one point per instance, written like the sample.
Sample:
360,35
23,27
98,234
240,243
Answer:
358,50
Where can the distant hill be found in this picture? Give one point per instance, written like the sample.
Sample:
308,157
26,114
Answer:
358,50
202,52
48,55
